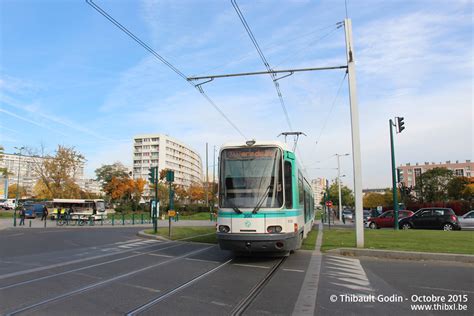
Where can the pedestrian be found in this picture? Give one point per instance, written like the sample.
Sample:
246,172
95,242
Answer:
45,213
343,218
22,217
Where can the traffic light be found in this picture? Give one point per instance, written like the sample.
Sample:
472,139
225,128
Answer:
170,176
399,176
400,124
152,177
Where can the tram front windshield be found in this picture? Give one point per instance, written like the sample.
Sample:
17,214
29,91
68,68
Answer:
251,178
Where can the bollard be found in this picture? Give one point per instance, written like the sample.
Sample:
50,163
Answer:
90,220
45,223
210,216
123,219
30,222
113,219
142,218
133,219
101,220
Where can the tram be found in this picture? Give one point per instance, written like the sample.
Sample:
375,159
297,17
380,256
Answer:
265,201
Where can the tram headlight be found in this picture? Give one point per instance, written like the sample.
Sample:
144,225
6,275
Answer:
274,229
224,228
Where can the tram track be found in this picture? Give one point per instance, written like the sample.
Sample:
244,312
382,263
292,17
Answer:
92,286
242,306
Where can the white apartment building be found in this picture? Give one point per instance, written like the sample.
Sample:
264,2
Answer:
151,150
25,166
318,185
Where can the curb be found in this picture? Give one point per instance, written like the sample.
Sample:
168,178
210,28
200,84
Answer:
403,255
148,236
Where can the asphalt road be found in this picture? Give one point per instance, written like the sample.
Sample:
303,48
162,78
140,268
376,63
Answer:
80,271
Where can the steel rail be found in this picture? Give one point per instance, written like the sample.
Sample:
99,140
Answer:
242,306
101,283
160,298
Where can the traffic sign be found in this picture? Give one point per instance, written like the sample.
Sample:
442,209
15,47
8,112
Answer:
171,213
329,203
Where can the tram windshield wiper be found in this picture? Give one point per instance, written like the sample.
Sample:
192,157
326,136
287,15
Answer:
237,210
262,199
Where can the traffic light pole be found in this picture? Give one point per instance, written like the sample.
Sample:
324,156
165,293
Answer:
394,177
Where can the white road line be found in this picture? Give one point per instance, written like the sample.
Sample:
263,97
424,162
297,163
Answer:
293,270
98,284
116,252
442,289
250,266
159,255
79,269
201,260
353,287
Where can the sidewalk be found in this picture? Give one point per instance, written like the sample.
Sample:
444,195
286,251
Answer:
7,223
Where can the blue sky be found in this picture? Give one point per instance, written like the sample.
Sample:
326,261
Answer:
69,77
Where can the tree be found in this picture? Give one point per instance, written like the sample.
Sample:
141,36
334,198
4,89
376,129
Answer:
372,200
12,190
196,192
105,173
346,195
456,187
432,185
58,173
3,171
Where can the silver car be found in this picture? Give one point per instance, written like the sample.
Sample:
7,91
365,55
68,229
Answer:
467,220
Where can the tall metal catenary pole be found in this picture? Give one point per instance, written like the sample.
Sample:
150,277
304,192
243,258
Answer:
207,177
356,155
213,176
339,185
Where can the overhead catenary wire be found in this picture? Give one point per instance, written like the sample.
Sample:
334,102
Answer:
330,109
164,61
264,60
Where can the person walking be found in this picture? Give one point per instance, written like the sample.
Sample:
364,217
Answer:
45,213
22,217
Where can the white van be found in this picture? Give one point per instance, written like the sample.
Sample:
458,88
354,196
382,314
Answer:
8,204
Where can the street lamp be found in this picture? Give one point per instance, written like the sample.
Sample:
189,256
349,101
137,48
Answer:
339,182
17,184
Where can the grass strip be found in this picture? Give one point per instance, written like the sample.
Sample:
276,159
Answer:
195,234
437,241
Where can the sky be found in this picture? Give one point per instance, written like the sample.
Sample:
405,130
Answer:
70,77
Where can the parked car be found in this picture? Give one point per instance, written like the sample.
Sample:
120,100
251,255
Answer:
467,220
33,210
431,218
9,204
370,214
387,219
348,215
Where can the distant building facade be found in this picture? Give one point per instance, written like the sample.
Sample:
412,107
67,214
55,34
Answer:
410,172
319,185
376,190
150,150
25,166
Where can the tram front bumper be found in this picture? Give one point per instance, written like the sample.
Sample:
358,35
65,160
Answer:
257,242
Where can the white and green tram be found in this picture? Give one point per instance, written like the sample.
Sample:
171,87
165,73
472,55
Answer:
265,202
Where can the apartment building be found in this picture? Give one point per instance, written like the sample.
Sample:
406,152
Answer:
318,186
24,166
150,150
409,172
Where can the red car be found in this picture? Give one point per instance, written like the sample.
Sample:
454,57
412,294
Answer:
386,219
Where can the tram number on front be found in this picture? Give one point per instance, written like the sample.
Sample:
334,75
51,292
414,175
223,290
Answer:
247,215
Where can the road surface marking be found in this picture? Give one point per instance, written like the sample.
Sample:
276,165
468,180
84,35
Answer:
293,270
250,266
201,260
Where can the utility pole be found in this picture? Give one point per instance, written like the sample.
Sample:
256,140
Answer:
213,178
339,183
207,177
356,156
17,185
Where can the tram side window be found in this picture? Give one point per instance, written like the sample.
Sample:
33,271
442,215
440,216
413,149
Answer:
305,205
300,189
288,185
